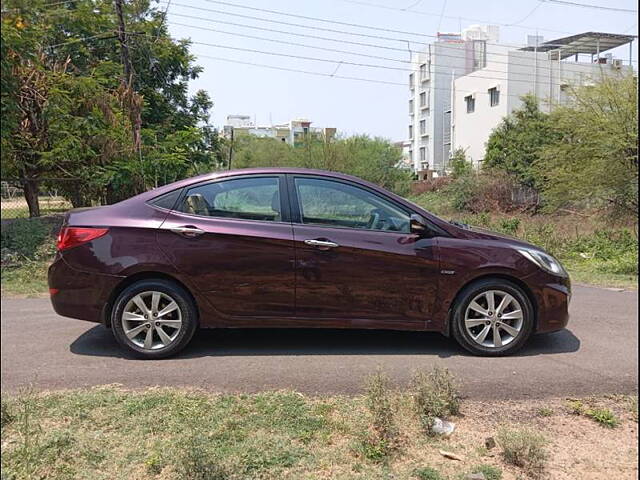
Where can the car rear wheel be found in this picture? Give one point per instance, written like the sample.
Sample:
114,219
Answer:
492,317
154,318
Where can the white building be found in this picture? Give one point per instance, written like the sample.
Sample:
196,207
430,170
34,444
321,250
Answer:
290,132
482,98
452,55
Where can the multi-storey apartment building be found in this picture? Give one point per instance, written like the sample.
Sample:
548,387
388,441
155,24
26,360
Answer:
433,70
482,98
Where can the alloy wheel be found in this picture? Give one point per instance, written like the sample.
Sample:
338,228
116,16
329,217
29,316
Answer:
152,320
493,319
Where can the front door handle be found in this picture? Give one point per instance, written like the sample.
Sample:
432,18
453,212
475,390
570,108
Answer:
322,244
188,231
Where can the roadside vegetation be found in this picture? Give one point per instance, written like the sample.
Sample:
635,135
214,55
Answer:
160,433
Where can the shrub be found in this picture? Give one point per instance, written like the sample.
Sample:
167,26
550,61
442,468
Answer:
197,461
435,394
428,473
383,433
6,414
523,448
604,417
545,411
24,237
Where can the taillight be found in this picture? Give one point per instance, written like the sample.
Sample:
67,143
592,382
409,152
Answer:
70,237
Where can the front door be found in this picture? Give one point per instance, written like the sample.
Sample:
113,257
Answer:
233,238
357,264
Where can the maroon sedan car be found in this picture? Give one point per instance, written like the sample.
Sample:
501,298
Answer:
276,247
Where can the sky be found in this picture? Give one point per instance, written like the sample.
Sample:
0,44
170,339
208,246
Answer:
271,96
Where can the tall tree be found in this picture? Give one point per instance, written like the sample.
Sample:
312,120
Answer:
515,144
595,160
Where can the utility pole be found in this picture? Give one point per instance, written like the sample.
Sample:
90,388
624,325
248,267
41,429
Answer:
231,148
134,100
124,48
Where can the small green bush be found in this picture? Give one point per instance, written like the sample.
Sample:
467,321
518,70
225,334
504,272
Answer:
545,411
383,434
428,473
524,448
24,237
435,394
603,416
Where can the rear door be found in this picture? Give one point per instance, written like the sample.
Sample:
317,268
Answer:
234,239
357,264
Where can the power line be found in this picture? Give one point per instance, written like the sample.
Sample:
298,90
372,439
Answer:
533,10
446,69
451,17
330,75
586,5
440,44
284,42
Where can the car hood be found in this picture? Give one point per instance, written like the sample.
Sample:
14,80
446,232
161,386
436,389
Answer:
482,233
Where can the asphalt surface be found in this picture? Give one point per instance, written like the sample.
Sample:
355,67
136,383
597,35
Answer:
598,353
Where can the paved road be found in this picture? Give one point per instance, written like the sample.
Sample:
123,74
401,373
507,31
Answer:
597,354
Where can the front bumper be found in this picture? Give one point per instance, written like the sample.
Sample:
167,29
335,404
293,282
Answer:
79,294
552,296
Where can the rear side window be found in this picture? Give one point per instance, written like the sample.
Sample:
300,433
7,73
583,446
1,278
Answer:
168,200
256,198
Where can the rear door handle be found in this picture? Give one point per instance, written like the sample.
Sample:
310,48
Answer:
321,243
188,231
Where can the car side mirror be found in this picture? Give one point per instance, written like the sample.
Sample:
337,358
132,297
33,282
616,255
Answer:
419,226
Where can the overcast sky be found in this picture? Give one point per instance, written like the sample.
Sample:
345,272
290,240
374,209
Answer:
275,96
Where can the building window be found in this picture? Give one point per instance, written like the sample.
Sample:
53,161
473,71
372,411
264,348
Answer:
410,106
410,131
411,83
423,71
423,99
471,103
423,127
423,154
494,96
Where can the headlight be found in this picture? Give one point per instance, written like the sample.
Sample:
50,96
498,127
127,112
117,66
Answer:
544,261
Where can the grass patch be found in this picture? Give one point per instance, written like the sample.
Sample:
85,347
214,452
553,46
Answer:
524,448
601,415
428,473
435,394
27,247
545,412
107,433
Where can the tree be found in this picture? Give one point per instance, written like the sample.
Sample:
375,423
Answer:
65,113
460,166
515,144
595,159
373,159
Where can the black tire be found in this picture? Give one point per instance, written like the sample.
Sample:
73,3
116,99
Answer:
470,292
187,310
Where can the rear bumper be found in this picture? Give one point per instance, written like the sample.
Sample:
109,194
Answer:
79,295
552,301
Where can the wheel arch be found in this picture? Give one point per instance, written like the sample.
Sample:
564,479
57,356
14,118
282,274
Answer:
516,281
136,277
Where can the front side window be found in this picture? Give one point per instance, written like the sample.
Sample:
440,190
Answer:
336,204
423,99
423,127
256,198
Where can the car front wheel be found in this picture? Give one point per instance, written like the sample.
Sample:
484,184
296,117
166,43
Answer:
492,317
154,319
